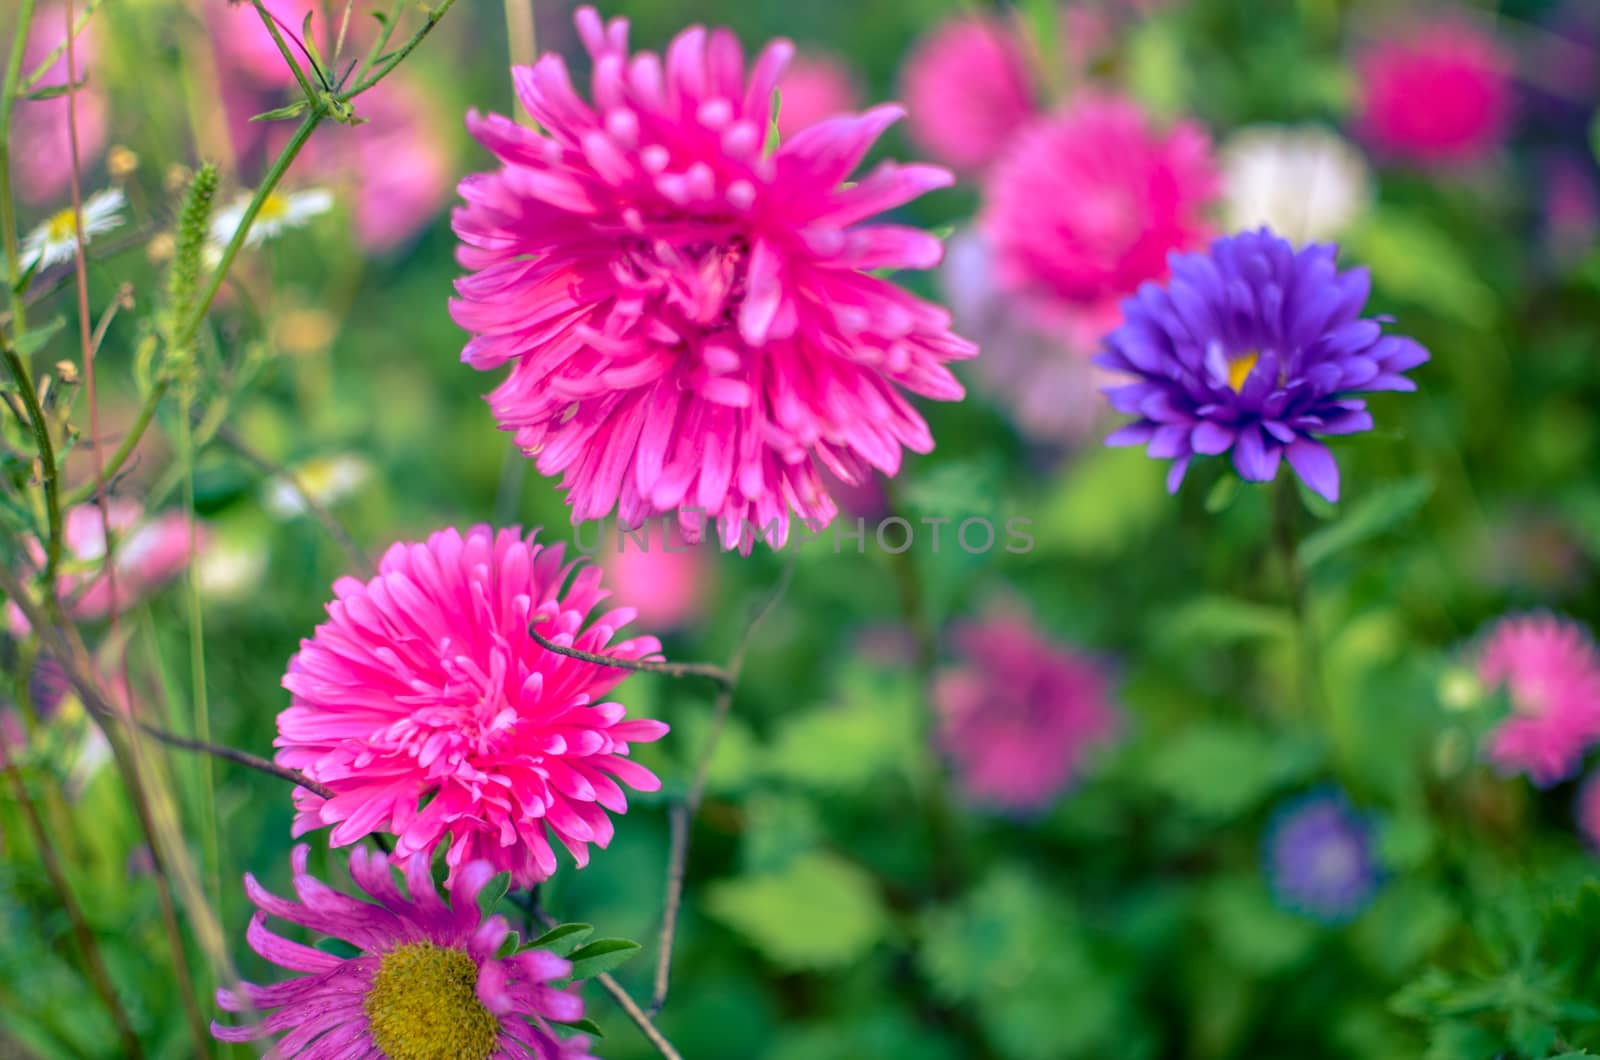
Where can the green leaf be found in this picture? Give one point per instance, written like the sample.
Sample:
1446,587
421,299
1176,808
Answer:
1102,504
1381,510
1594,135
1222,494
1223,769
1157,74
35,339
601,955
310,41
562,938
871,730
1412,259
494,889
56,91
819,912
1251,931
1212,620
583,1026
293,110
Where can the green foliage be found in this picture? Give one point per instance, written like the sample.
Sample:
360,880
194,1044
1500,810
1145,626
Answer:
820,911
1220,770
1384,509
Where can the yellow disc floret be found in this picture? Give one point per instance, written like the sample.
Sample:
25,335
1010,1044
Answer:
424,1005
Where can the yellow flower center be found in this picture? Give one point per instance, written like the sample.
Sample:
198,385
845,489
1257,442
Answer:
1239,369
424,1006
61,227
273,207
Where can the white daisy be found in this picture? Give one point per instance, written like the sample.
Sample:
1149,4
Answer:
1304,182
328,479
56,240
279,211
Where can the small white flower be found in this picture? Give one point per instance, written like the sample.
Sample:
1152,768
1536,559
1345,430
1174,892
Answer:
279,211
56,240
328,479
231,567
1304,182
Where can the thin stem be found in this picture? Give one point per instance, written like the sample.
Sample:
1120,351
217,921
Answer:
130,442
94,965
623,999
681,817
198,699
400,56
1308,665
647,666
280,166
232,754
8,209
47,459
271,23
381,41
59,50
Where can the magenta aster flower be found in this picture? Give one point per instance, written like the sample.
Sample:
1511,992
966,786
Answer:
428,982
1254,347
1019,714
1086,205
968,89
1550,669
429,709
1437,95
692,320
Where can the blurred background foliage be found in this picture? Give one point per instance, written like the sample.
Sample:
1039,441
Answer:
830,914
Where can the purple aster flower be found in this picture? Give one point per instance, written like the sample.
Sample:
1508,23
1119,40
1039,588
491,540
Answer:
1254,347
1319,857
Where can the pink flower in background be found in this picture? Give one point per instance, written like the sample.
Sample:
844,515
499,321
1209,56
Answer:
968,90
149,553
1439,94
246,48
692,325
665,580
427,979
815,87
1037,368
1019,714
41,147
399,164
1087,204
430,710
1551,671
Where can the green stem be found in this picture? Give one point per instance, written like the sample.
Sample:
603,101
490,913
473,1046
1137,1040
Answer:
197,657
382,40
406,49
130,442
8,209
47,465
280,166
288,56
59,50
1308,662
94,965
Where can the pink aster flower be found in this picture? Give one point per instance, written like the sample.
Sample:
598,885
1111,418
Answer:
427,980
1087,205
694,324
968,90
149,553
429,709
1436,95
1551,671
1036,366
41,148
1019,714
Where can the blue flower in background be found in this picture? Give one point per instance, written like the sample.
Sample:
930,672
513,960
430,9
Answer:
1256,348
1319,857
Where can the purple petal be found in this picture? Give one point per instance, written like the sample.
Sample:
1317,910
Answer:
1211,438
1315,465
